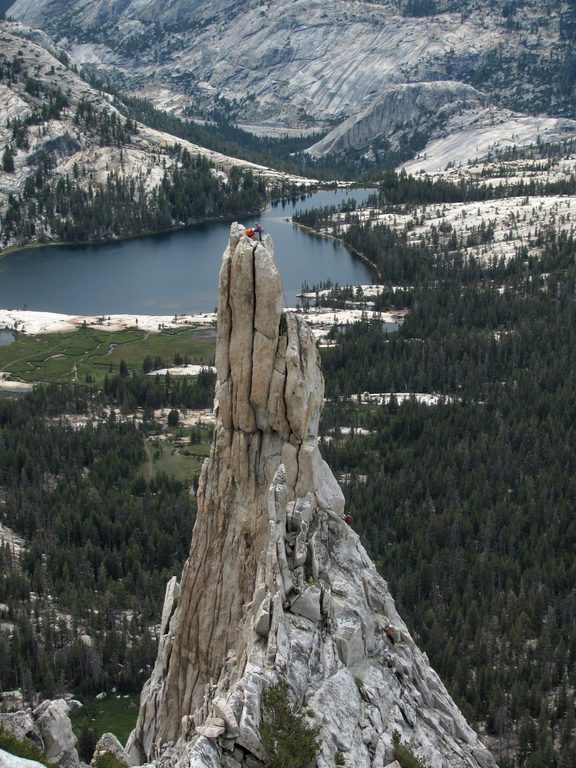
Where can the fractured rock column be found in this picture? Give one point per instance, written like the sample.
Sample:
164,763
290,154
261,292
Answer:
277,586
260,356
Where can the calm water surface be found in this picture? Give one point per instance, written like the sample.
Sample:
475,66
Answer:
177,272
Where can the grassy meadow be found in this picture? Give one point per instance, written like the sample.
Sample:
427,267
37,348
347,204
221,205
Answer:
114,714
88,355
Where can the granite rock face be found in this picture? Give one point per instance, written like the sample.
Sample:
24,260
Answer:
21,725
400,112
57,734
108,744
277,585
8,760
313,63
47,727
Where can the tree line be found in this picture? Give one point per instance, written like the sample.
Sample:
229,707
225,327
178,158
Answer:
63,209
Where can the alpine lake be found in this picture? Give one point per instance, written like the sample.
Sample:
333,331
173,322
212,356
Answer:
173,273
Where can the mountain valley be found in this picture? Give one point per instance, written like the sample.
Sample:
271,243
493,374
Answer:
77,167
447,426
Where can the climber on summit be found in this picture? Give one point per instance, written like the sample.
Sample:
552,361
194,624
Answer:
259,229
250,233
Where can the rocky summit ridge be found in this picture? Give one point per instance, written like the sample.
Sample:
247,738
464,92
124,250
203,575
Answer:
277,585
332,66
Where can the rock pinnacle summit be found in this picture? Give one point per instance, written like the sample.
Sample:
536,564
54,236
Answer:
277,585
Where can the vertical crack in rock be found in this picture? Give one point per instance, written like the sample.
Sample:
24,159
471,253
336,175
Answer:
277,585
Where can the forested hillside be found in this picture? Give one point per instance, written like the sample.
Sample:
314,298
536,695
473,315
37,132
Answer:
76,165
70,212
467,505
79,601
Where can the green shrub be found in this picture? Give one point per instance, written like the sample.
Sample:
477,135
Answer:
404,755
287,741
22,748
108,760
86,742
339,759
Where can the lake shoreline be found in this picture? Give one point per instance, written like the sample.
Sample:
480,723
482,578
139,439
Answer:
363,258
33,323
123,238
183,227
174,271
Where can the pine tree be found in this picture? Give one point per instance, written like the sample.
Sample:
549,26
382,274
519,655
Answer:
8,159
287,741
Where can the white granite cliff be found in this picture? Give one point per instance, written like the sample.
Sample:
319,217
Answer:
277,585
328,64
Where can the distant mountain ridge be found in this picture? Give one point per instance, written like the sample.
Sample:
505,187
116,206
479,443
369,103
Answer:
315,63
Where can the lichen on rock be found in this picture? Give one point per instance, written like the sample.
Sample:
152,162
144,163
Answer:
277,585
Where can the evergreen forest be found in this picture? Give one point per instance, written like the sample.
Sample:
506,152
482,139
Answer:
83,596
71,212
467,505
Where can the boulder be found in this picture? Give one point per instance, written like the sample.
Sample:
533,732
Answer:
308,603
8,760
108,744
41,708
57,734
22,726
11,701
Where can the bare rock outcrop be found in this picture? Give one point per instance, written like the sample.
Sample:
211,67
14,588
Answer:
8,760
47,727
21,725
11,701
108,744
57,734
277,585
401,111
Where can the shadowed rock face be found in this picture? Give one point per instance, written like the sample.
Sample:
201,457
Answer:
277,585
